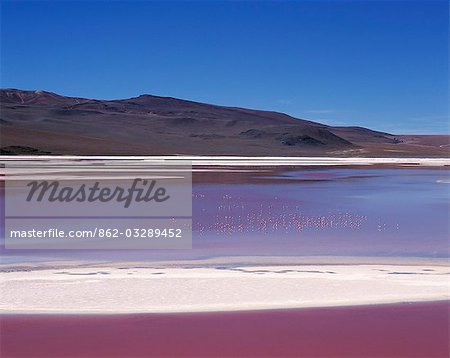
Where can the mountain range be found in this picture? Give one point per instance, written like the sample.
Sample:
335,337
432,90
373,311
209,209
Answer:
40,122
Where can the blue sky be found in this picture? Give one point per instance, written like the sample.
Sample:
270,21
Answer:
379,64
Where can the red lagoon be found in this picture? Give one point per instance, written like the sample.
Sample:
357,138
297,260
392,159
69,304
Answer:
396,330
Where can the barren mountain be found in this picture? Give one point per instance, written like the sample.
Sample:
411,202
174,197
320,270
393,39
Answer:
39,122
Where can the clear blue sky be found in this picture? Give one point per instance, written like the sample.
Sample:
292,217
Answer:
380,64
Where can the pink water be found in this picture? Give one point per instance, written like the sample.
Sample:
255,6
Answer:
308,212
400,330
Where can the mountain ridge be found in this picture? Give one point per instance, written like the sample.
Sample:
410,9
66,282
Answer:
155,125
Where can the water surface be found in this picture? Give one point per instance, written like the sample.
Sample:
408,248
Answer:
363,212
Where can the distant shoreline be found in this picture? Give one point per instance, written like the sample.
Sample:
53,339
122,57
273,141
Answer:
228,261
244,160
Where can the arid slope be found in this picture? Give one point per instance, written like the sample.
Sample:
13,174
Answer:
39,122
